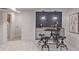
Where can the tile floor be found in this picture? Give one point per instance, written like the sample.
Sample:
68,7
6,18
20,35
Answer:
21,45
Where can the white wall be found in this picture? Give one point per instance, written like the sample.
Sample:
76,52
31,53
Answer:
28,25
1,28
74,38
4,27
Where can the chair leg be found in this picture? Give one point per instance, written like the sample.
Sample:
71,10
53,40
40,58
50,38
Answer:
66,46
61,48
58,45
42,47
48,47
39,42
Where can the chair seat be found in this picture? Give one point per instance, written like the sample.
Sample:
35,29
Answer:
63,37
46,37
41,34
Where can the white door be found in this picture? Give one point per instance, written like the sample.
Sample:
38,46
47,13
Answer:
18,26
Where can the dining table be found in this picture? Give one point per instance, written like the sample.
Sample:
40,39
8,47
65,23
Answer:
54,32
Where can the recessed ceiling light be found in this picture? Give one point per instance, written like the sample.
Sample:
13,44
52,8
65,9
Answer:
14,9
54,18
43,17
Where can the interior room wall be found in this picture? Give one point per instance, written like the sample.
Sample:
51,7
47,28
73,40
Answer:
28,25
74,38
4,27
1,28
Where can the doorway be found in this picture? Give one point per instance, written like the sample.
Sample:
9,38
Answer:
8,26
13,27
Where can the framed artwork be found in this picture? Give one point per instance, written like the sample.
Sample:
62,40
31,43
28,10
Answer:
74,23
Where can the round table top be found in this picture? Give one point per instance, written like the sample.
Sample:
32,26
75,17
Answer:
52,29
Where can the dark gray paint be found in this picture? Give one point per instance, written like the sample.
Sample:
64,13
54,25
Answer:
48,22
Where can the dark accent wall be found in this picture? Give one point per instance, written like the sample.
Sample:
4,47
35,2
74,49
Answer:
48,21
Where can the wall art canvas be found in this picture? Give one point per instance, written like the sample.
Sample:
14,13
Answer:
74,23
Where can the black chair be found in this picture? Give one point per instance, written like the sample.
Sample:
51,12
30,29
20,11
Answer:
45,41
41,39
56,39
62,44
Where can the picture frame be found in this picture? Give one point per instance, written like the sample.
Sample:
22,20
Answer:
74,23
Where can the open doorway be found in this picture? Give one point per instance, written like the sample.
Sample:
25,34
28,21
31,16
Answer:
18,24
13,27
8,26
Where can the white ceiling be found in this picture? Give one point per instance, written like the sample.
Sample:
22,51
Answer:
43,9
38,9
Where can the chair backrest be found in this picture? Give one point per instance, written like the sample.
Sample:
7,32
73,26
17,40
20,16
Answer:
62,32
41,34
